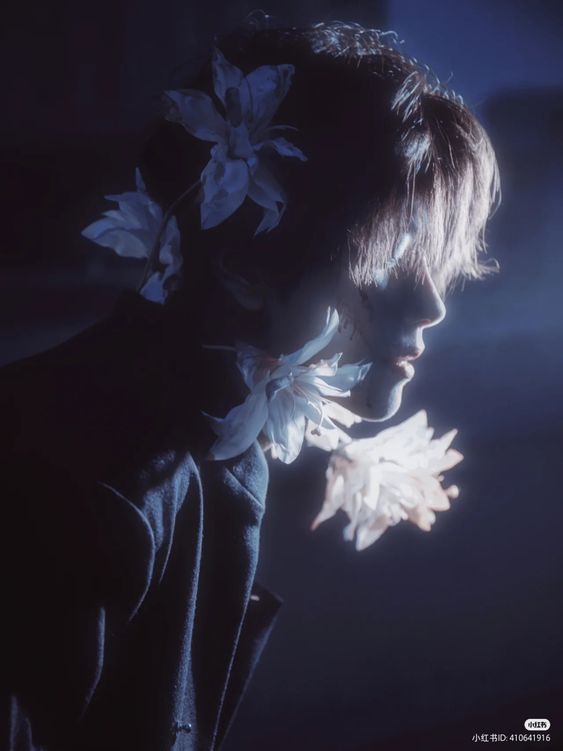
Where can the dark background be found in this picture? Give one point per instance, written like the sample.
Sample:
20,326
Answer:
424,639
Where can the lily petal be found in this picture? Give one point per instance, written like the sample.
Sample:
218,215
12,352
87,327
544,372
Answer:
287,435
265,190
252,363
154,288
225,75
311,348
345,378
121,240
342,415
135,210
196,112
139,182
262,92
225,186
239,429
283,147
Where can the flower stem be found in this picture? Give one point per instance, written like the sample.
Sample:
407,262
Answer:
153,255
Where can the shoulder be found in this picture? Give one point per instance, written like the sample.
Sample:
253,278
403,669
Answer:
95,463
105,400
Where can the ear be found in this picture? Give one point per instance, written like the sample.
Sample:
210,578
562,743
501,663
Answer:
249,293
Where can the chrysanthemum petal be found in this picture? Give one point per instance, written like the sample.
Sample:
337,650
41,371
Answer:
392,477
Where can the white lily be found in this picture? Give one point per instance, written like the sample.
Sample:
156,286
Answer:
132,231
330,440
241,136
287,397
396,475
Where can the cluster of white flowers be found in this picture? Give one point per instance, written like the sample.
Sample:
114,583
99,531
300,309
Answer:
243,140
289,399
377,481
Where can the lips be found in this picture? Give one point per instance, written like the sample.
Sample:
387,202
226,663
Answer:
407,356
402,362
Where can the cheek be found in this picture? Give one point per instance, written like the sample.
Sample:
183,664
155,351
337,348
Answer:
356,334
352,346
295,322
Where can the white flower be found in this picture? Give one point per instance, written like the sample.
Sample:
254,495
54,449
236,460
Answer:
379,481
132,231
241,136
330,440
287,397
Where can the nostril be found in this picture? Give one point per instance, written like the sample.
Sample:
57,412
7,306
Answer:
433,320
423,323
432,308
434,315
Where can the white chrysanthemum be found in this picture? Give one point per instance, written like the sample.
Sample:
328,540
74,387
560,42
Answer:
241,136
397,475
132,230
288,399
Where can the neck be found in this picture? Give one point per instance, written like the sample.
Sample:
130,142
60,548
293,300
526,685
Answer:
207,359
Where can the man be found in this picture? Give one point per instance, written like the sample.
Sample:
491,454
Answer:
132,616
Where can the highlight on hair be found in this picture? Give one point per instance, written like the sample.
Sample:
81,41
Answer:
391,151
450,184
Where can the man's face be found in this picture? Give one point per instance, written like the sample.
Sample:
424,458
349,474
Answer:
382,324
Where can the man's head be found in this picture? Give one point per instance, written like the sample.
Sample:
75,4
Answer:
385,216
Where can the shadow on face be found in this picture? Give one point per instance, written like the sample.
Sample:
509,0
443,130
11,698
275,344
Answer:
383,324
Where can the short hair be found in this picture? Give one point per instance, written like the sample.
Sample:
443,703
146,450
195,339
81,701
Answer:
390,149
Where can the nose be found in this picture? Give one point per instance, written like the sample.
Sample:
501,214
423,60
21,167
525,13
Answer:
427,308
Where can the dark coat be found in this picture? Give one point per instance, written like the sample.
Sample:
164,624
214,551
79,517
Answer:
131,615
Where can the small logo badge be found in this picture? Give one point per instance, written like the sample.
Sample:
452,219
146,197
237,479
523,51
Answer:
537,724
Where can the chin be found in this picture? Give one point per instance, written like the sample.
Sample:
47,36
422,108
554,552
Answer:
383,407
378,398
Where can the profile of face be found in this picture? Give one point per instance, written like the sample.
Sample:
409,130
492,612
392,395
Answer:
383,324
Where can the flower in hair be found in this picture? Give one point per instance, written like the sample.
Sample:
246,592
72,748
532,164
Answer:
287,398
242,135
394,476
133,229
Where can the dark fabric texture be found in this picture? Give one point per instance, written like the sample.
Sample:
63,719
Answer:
131,617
